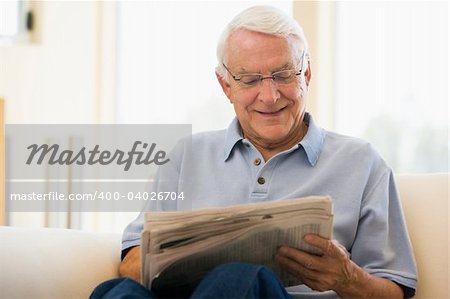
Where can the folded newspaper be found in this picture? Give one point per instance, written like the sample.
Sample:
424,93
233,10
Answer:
179,248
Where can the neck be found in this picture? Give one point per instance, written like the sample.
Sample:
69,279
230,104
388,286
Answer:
268,150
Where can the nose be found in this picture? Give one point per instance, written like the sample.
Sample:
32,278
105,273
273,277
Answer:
268,92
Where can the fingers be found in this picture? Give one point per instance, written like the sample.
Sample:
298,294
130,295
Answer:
305,268
331,248
298,257
291,262
323,244
318,272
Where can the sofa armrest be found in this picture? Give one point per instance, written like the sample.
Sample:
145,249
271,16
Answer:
55,263
425,204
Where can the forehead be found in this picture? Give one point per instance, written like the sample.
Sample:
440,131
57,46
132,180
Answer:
251,50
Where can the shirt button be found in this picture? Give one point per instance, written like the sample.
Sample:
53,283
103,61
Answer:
257,161
261,180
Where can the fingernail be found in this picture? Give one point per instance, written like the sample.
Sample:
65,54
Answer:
281,250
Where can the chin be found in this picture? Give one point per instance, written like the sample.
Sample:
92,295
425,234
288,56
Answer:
273,135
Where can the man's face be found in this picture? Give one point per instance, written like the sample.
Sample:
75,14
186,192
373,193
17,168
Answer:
269,112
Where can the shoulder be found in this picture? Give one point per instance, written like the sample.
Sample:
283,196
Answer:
206,138
350,145
353,151
357,159
209,137
209,140
199,145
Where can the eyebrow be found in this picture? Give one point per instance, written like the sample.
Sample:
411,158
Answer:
286,66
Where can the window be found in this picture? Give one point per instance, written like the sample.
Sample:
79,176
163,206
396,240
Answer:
167,59
15,21
391,79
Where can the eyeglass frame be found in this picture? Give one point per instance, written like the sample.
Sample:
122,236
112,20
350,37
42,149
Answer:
262,77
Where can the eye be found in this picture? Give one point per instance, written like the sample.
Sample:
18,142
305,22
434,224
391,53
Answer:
250,79
283,76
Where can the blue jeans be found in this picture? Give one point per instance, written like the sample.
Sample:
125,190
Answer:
234,280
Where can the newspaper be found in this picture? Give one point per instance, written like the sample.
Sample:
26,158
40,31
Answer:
179,248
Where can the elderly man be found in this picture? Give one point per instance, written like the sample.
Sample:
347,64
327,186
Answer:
274,150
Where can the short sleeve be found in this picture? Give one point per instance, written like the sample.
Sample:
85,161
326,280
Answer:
382,246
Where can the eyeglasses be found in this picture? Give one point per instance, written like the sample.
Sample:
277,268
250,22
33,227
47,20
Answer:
254,79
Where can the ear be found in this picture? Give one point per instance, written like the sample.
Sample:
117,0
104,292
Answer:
308,74
225,86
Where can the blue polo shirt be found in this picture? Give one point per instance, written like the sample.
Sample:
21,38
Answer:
221,168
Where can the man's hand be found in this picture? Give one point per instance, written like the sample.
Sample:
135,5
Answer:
334,270
131,264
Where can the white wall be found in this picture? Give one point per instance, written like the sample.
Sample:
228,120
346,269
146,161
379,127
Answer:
53,80
318,21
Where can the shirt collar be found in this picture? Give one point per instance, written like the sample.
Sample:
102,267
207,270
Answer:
312,143
234,135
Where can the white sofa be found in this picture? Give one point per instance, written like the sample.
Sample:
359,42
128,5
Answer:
55,263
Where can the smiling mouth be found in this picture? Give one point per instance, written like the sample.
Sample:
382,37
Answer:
271,113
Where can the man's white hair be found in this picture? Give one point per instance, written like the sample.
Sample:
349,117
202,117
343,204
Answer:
264,19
